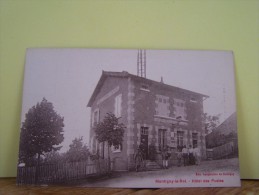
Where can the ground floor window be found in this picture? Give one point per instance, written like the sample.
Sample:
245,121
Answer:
180,135
117,148
161,139
194,140
102,146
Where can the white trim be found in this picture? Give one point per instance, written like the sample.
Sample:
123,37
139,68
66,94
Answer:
168,117
193,100
147,90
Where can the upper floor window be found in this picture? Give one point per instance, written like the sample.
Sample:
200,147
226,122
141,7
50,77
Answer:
162,105
193,100
117,106
144,87
95,117
179,108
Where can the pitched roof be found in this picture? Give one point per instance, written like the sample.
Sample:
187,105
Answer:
125,74
227,126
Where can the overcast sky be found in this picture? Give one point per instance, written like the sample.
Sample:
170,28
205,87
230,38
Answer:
67,78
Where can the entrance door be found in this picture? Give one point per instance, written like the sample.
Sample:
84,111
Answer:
144,142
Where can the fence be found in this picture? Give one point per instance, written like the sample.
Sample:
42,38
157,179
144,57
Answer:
61,172
223,151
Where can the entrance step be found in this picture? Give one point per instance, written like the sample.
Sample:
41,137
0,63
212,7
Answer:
152,165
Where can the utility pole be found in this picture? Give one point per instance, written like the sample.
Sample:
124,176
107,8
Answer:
141,63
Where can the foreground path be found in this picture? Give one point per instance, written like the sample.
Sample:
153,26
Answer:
127,179
8,186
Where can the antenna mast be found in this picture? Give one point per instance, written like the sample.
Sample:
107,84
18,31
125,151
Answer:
141,63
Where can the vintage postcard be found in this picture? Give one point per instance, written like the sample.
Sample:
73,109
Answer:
128,118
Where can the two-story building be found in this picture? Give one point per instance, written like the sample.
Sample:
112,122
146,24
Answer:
153,112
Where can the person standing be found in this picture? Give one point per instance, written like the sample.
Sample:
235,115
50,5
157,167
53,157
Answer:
185,155
197,155
179,157
165,157
163,153
191,157
138,159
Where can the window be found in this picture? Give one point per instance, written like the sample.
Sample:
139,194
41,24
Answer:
162,105
91,144
95,117
193,100
180,139
172,135
144,131
161,138
101,149
144,87
117,148
96,146
179,108
194,140
117,106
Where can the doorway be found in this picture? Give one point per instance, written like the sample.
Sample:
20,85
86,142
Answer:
144,142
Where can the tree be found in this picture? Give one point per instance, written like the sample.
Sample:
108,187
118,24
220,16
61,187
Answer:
77,151
110,131
41,132
211,122
53,157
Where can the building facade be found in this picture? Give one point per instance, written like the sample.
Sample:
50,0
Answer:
154,114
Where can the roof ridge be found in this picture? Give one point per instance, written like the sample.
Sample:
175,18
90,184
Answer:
124,74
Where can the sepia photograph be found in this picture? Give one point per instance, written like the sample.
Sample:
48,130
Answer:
128,118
